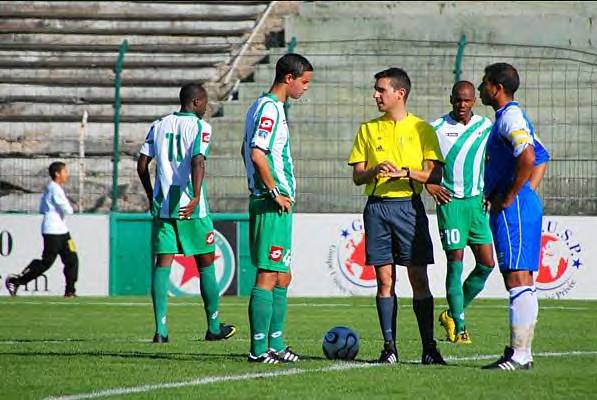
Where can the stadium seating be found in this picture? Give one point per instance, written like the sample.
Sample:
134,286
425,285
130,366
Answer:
57,60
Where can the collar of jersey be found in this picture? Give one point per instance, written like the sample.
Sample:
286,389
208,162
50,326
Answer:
449,115
388,119
271,96
499,112
185,114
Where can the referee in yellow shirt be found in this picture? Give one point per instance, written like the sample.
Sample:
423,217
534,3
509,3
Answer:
394,155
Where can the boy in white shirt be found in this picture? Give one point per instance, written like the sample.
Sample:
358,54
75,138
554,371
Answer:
57,241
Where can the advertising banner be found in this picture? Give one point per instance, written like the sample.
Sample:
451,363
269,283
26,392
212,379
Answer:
21,242
329,259
185,277
133,260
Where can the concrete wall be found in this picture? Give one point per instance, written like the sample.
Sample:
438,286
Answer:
349,41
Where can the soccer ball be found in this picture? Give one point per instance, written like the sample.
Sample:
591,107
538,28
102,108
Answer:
340,343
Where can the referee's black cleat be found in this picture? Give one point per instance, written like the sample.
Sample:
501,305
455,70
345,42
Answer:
431,355
506,363
157,338
226,332
389,354
12,284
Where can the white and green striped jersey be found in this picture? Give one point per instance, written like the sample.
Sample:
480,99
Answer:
266,129
463,148
173,141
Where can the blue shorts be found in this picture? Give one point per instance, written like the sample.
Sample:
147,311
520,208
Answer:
397,232
517,232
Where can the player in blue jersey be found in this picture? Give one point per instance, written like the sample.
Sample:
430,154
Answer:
515,165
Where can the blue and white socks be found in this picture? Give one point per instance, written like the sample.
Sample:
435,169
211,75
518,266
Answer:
524,309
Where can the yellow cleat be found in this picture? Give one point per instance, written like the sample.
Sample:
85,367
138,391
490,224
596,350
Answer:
448,323
463,338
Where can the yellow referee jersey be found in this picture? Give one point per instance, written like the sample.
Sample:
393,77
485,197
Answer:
404,143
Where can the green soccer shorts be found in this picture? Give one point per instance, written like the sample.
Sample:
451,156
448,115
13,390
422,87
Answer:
270,235
463,222
183,236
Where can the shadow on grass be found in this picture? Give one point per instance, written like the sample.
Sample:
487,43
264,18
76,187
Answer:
17,341
129,354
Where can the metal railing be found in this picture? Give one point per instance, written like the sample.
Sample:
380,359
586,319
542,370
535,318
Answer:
556,91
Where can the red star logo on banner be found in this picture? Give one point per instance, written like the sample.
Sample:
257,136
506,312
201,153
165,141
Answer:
190,267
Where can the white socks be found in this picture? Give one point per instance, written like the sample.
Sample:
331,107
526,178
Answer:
523,316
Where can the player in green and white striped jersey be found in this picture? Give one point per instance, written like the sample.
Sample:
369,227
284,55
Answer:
461,215
270,175
179,142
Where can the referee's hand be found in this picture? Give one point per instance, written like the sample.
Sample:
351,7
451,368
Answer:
284,203
385,167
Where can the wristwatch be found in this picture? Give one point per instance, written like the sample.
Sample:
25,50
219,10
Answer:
407,171
273,193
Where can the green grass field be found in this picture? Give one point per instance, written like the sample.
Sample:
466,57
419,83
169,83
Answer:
100,348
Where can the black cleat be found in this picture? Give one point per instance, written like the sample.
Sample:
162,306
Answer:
226,332
389,354
11,284
506,363
269,357
70,295
431,355
286,355
157,338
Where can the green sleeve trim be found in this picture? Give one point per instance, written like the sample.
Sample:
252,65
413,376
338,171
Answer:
198,139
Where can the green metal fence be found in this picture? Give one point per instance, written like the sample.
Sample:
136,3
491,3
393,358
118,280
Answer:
556,91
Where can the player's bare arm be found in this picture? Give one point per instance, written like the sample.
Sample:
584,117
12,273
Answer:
197,174
523,170
143,172
537,175
362,175
262,166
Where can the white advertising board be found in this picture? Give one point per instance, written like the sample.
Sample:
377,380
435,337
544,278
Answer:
21,242
328,259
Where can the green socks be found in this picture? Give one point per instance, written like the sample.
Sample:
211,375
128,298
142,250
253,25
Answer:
475,282
454,293
276,328
210,292
159,296
260,315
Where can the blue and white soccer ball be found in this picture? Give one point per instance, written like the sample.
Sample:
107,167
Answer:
340,343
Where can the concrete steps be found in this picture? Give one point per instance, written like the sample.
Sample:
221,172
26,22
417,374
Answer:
202,11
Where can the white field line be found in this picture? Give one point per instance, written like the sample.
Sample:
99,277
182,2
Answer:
286,372
148,304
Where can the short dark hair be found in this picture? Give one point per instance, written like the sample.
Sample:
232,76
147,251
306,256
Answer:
503,74
293,64
461,84
398,77
55,168
191,91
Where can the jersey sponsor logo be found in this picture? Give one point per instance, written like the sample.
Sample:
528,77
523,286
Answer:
275,253
209,238
266,124
262,134
379,148
346,261
184,277
205,136
452,134
559,260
